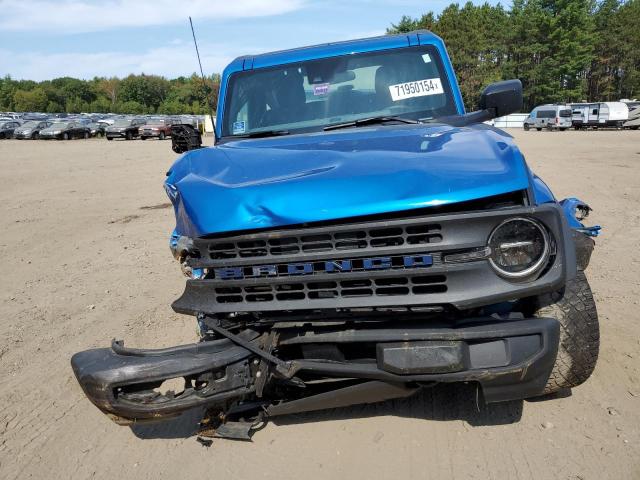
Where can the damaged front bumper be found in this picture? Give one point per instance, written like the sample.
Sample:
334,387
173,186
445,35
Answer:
509,359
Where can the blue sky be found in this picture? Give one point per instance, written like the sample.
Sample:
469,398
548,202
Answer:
41,40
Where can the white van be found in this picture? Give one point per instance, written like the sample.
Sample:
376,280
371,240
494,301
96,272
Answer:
551,117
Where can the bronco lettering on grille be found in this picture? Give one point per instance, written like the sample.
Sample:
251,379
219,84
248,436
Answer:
328,266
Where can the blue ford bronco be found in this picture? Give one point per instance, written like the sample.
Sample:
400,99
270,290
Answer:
353,236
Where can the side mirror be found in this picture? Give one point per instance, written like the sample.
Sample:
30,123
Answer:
502,98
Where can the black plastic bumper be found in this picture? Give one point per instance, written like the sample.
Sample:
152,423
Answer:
103,372
509,359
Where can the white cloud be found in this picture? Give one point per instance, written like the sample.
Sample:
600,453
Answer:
171,61
81,16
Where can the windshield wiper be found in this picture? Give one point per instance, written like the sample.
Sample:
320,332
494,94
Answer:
370,121
262,133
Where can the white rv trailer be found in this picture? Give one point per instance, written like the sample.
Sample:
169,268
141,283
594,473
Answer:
602,114
634,114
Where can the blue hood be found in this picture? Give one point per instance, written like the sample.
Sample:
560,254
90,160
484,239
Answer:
260,183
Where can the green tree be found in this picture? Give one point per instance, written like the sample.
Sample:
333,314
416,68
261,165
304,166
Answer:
548,44
172,107
109,87
130,106
30,101
76,105
148,90
7,89
54,107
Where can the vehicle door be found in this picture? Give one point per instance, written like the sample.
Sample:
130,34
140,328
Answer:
593,113
564,117
543,117
531,119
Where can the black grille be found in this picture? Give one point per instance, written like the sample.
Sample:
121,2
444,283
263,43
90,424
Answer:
305,268
337,241
395,262
333,289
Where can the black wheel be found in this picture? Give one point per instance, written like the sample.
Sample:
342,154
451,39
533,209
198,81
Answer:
575,309
65,136
35,136
161,136
539,129
526,127
143,138
109,138
86,135
129,136
562,129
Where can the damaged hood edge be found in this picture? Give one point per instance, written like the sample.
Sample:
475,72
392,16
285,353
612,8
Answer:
253,184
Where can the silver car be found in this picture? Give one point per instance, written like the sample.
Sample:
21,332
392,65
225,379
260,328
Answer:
31,129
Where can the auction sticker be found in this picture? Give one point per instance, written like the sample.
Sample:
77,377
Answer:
419,88
238,127
321,89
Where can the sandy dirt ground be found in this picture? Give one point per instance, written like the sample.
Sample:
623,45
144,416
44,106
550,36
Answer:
85,258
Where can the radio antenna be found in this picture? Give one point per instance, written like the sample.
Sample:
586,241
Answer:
195,42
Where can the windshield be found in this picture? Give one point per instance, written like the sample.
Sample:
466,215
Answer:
122,123
307,96
60,125
31,123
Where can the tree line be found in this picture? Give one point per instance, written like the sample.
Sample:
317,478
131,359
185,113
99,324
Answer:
562,50
132,94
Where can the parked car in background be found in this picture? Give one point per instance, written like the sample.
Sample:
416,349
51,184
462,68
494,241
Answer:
7,128
159,128
98,129
125,128
596,115
65,130
31,129
551,117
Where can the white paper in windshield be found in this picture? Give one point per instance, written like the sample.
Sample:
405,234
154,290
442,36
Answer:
419,88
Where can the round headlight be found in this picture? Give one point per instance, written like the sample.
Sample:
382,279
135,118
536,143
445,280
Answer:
519,247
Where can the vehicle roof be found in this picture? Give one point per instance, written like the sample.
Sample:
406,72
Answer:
331,49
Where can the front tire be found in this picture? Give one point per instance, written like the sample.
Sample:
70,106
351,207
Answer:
129,136
35,136
65,136
161,136
575,309
539,129
526,127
